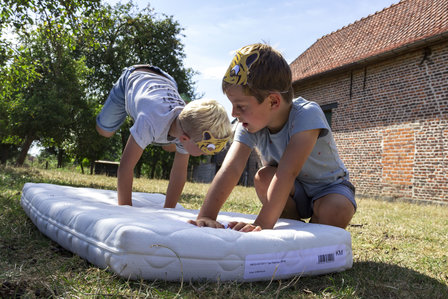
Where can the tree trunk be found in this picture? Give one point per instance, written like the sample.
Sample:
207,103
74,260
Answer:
60,156
25,148
152,166
4,152
138,169
82,167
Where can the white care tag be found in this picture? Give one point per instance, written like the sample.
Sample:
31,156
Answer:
268,265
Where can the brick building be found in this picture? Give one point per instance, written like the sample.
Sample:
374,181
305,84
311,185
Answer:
383,84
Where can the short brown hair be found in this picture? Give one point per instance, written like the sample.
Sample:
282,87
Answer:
269,73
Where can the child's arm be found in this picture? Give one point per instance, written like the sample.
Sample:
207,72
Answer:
178,177
223,184
131,154
297,152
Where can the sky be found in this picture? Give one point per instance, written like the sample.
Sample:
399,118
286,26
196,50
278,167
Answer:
215,29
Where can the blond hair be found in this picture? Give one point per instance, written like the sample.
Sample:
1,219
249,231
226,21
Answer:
205,115
269,73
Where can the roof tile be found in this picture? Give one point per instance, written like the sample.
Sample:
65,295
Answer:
401,24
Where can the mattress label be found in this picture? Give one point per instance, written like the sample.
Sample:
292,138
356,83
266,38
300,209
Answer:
269,265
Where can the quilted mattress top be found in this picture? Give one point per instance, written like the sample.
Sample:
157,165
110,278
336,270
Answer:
150,242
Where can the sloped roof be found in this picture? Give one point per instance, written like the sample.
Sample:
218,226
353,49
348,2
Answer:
406,23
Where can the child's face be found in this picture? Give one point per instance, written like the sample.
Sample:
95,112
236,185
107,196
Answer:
253,115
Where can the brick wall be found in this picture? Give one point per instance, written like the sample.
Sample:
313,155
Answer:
391,123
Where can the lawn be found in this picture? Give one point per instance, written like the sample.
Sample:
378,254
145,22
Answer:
400,250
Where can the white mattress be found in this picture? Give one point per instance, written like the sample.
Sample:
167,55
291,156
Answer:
149,242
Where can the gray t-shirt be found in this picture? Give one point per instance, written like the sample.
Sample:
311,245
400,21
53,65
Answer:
322,168
153,102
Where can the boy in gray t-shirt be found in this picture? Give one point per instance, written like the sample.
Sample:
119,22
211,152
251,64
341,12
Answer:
303,176
150,97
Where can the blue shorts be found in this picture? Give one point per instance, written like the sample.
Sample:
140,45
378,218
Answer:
113,114
304,203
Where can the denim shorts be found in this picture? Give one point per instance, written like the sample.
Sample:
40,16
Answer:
304,203
113,114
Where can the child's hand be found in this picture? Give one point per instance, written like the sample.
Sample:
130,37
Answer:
206,222
244,227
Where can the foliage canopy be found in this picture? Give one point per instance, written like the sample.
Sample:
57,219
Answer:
58,61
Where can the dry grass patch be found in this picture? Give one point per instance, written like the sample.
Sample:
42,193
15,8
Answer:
400,250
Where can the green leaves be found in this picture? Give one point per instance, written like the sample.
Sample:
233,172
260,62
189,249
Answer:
57,71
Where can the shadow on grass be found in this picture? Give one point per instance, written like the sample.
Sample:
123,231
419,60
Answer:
24,252
191,199
393,282
379,279
363,280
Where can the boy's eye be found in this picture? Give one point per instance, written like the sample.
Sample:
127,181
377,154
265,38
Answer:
240,108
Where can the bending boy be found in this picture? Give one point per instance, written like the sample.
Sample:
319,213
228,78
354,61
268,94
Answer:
161,117
303,176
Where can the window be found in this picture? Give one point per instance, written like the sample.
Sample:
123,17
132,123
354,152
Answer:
328,109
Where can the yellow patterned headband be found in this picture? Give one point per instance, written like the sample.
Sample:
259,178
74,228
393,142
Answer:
210,145
238,70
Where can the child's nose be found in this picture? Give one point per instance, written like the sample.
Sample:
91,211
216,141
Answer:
234,112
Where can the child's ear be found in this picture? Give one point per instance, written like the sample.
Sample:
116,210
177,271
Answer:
275,100
184,137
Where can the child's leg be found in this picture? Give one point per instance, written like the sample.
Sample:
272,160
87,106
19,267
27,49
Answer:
104,133
262,180
333,209
114,112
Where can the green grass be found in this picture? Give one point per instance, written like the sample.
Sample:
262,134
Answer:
400,250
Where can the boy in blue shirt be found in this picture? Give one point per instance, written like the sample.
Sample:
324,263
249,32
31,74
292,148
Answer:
303,176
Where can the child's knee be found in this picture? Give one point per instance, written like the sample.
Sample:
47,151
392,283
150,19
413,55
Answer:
103,132
333,209
263,177
265,174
